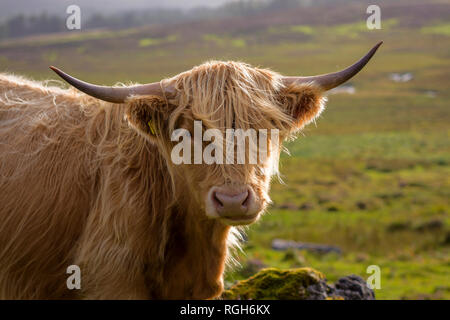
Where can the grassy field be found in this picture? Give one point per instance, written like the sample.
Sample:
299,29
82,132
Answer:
372,177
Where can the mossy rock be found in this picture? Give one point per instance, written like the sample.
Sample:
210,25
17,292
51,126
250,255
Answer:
272,284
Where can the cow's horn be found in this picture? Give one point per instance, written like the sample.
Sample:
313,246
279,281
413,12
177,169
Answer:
111,94
332,80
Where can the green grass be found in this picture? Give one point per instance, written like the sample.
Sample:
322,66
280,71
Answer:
371,177
440,29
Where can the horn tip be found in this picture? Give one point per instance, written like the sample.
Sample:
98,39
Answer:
55,69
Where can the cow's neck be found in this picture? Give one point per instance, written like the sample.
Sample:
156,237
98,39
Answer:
195,255
199,260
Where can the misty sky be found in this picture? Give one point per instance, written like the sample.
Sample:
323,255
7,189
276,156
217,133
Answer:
13,7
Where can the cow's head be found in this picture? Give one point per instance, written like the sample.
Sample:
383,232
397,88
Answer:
216,102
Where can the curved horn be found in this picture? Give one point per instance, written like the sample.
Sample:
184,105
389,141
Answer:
332,80
110,94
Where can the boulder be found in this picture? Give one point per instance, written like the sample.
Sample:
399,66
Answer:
297,284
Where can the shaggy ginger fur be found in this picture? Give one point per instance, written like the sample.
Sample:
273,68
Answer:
85,182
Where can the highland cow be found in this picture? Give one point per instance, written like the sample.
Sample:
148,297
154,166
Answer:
86,179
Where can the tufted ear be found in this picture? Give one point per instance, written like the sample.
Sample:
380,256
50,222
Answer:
148,115
303,103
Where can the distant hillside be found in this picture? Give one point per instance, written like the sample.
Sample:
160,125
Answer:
54,7
106,7
48,16
235,16
259,38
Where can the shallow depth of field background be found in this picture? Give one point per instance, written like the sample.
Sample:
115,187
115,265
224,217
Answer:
371,177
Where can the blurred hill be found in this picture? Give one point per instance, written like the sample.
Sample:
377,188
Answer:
57,7
277,26
244,14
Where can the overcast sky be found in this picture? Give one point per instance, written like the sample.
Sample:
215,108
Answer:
13,7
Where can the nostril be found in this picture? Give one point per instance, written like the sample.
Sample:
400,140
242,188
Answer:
216,200
246,201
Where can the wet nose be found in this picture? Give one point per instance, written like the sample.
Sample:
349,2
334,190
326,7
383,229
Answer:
231,204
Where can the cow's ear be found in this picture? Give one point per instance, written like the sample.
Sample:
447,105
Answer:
303,103
148,115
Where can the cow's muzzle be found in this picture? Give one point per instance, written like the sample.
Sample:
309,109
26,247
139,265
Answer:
234,206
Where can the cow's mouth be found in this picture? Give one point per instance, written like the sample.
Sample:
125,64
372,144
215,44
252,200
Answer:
239,220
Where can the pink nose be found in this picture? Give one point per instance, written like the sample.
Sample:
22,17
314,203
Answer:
231,205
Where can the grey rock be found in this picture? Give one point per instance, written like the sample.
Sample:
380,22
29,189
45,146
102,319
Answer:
348,288
281,245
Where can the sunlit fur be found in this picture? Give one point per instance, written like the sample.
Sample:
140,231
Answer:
85,182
